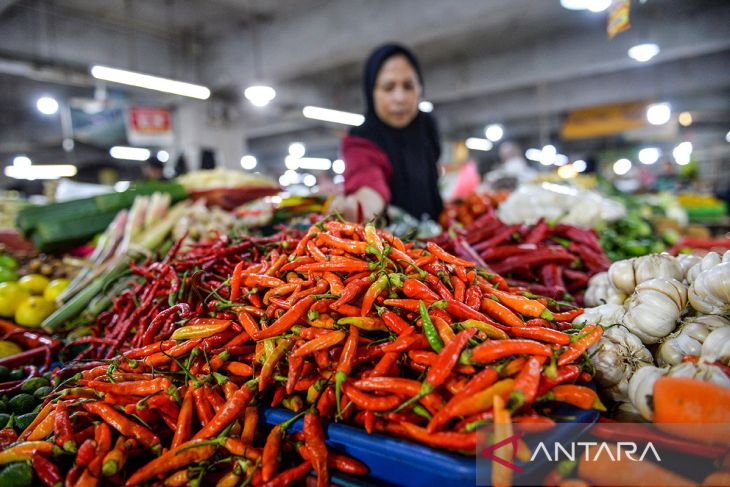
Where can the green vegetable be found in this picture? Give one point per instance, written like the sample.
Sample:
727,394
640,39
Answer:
16,374
22,403
41,393
23,421
4,373
19,474
3,407
32,384
4,418
8,262
7,275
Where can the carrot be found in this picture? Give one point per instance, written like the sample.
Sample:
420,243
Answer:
602,469
683,400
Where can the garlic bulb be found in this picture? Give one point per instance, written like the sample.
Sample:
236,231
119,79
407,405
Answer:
653,310
710,290
625,275
627,413
641,389
689,338
710,260
616,356
717,346
687,261
700,371
600,291
605,314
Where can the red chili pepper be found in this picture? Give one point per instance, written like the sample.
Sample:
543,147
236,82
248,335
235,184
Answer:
227,414
446,257
351,246
315,445
287,320
194,451
501,313
526,384
270,455
451,441
591,336
407,342
399,385
236,282
375,289
579,396
520,304
393,321
490,351
565,373
351,292
62,428
568,315
323,342
415,289
272,361
368,401
46,471
473,297
337,266
540,334
288,477
385,364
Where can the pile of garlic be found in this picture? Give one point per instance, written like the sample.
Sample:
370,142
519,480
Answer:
677,306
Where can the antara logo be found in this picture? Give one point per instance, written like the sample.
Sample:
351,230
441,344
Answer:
596,449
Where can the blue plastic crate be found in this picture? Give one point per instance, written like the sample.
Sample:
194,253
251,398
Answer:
400,462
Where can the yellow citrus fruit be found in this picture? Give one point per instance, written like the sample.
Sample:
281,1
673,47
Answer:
11,294
54,288
33,311
34,283
8,349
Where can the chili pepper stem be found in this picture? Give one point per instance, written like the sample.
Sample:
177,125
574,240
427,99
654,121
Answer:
426,389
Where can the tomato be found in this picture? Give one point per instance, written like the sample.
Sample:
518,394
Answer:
34,283
11,295
54,288
33,311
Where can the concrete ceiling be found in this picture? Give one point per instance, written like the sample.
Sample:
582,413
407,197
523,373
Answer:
524,63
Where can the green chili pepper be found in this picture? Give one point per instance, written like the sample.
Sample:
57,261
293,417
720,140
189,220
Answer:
429,329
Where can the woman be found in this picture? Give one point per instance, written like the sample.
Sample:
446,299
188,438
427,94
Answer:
392,157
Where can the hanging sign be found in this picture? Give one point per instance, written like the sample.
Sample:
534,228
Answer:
150,126
618,17
604,120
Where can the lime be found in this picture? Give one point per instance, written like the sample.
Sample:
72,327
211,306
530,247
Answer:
19,474
22,403
7,275
32,311
54,288
8,262
8,348
4,419
23,421
32,384
16,374
11,294
34,283
4,373
42,392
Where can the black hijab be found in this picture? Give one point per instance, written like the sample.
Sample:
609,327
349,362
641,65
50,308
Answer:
413,151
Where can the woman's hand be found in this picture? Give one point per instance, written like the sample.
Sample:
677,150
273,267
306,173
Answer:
369,202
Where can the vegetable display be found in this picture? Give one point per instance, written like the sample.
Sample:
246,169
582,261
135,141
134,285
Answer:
344,323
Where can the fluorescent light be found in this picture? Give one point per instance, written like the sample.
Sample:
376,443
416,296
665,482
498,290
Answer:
567,171
41,172
425,106
163,155
685,119
658,113
475,143
120,186
683,153
335,116
47,105
338,179
643,52
259,95
22,161
309,180
150,82
548,155
494,132
649,155
248,162
338,166
580,165
315,163
592,5
533,154
622,166
297,150
129,153
68,144
727,137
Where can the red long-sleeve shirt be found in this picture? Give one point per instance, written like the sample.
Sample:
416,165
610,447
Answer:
366,165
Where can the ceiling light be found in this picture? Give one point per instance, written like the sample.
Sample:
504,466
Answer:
338,166
727,137
475,143
297,150
592,5
150,82
561,159
580,165
494,132
47,105
259,95
685,119
622,166
315,163
291,162
283,180
425,106
567,171
683,153
41,172
22,161
68,144
334,116
338,179
658,113
548,155
533,154
649,155
643,52
248,162
309,180
163,155
129,153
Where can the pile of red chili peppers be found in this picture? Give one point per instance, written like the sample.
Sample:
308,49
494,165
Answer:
549,260
346,323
